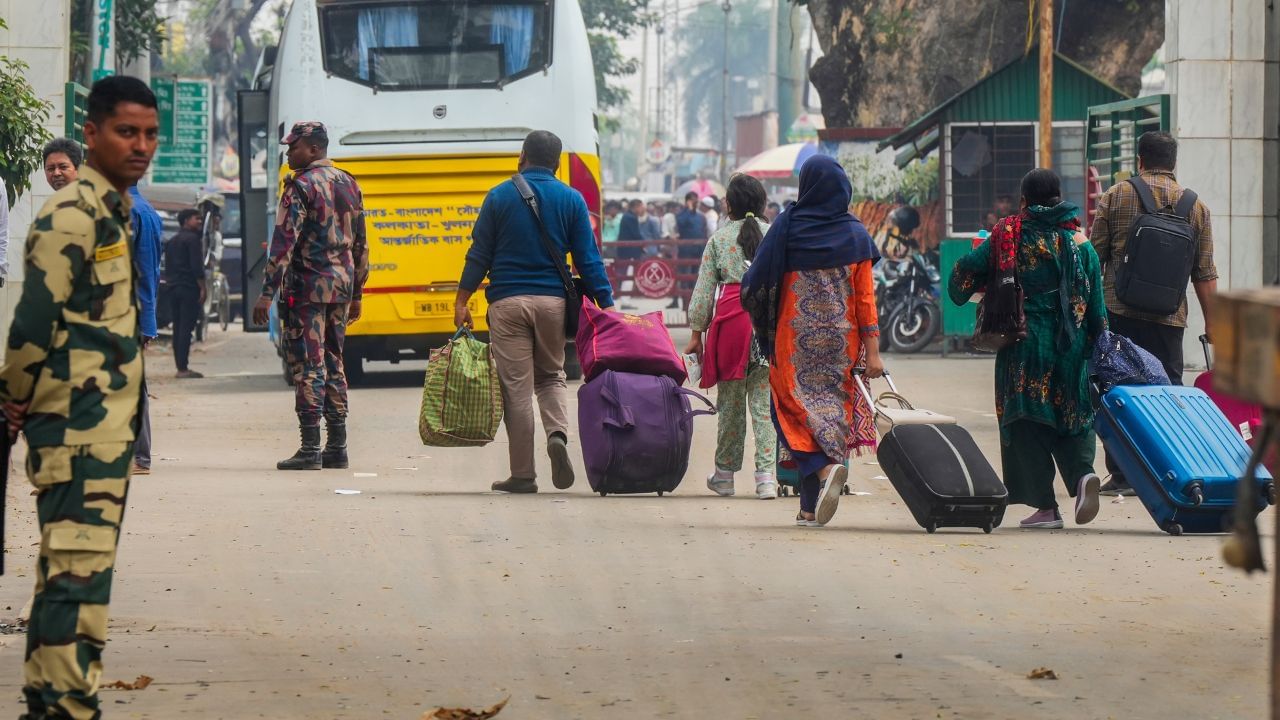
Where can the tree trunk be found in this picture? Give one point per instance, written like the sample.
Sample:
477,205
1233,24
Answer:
887,62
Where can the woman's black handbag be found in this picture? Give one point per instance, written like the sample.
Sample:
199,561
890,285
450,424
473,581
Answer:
1002,318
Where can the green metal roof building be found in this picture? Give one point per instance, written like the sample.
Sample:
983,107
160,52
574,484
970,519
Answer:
988,137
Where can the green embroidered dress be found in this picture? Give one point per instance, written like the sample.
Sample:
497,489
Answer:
1043,380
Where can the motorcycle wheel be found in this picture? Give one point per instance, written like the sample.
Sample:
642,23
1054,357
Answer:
914,326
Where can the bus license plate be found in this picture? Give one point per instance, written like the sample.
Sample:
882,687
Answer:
436,308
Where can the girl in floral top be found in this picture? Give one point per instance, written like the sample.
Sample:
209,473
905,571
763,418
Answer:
731,359
1042,393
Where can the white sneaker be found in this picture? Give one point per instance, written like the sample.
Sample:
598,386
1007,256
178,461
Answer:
720,483
829,496
766,487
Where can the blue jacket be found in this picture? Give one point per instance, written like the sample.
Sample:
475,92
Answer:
147,229
506,247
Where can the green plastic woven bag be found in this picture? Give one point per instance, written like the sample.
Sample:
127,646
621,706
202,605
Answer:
461,398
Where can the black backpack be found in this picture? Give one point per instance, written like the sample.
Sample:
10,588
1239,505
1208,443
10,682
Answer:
1160,253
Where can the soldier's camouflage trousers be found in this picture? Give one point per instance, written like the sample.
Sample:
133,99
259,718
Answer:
314,334
80,501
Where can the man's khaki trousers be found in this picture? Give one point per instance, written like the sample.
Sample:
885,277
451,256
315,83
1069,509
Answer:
526,335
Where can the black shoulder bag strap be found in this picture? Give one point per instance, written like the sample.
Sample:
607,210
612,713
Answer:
572,297
1148,200
1186,204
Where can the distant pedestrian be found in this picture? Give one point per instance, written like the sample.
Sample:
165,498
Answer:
650,229
691,226
62,159
70,382
629,231
1118,208
612,221
772,211
184,276
731,354
318,263
147,229
710,211
669,229
527,303
812,302
1042,397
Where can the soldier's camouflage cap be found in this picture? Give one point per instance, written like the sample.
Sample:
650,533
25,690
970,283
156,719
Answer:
306,129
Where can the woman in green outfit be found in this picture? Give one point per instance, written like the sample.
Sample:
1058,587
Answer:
731,358
1042,388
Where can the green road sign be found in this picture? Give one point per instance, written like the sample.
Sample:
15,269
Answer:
184,156
165,90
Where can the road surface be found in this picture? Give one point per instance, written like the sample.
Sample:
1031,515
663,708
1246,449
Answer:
250,593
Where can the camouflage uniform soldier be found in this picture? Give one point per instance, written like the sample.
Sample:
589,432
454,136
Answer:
70,382
318,263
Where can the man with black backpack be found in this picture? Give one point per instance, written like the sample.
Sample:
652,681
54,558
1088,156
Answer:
1154,238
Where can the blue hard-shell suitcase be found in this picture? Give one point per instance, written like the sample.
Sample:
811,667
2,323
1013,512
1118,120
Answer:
1180,454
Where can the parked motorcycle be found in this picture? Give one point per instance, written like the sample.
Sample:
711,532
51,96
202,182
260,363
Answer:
908,291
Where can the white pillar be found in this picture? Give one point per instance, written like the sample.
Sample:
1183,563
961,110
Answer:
39,34
1217,61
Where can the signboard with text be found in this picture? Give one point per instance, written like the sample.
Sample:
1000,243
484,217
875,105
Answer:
185,156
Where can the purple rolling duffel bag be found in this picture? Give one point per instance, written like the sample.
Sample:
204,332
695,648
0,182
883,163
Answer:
636,431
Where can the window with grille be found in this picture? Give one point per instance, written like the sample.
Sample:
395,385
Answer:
985,165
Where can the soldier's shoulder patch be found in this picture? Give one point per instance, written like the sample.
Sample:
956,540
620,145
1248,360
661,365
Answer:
70,215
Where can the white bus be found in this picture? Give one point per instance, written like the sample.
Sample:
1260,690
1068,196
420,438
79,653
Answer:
427,103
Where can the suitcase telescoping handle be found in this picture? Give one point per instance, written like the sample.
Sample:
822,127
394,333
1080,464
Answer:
1204,343
864,386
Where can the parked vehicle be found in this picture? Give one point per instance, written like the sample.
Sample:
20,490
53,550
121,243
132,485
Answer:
908,290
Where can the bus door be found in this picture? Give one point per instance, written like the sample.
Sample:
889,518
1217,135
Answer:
255,230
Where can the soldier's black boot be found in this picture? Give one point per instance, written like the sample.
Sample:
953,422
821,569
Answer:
335,446
308,455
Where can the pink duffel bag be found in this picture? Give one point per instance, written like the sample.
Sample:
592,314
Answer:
627,343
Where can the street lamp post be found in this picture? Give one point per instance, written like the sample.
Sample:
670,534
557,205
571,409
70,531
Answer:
724,94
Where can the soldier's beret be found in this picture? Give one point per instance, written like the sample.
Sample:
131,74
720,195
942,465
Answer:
306,129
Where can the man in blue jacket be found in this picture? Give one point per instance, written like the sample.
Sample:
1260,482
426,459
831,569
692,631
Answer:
527,303
147,228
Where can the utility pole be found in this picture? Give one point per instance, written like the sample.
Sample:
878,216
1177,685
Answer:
644,106
1046,84
724,96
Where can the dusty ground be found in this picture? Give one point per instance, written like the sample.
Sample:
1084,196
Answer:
248,593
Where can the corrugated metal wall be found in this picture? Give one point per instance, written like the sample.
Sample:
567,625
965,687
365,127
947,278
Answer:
1012,95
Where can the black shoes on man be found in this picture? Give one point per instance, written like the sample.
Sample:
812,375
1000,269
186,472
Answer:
311,457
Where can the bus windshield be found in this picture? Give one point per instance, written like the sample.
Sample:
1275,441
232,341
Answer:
436,44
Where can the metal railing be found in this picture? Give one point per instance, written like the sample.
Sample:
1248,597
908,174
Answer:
77,110
1113,131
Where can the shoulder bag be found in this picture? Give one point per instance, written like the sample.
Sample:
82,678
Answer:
574,287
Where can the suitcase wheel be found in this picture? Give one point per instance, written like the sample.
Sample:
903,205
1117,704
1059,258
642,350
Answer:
783,491
1270,493
1173,528
931,528
1197,495
603,493
659,493
988,528
846,490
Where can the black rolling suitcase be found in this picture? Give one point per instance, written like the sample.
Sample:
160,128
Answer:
935,466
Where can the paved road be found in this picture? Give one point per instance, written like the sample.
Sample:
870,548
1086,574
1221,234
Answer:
248,593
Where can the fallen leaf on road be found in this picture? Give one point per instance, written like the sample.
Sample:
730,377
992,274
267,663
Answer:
464,713
140,684
1042,674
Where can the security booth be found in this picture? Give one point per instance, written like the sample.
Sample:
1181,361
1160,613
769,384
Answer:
986,138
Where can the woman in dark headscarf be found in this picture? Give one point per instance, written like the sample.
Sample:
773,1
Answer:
812,303
1042,391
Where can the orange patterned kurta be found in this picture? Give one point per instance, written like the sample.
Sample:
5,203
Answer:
824,317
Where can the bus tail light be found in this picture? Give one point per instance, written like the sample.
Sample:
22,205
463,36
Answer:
584,181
